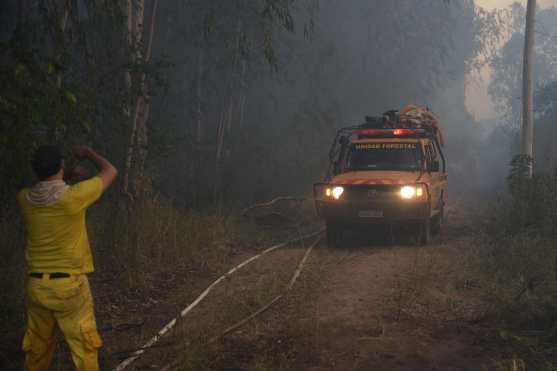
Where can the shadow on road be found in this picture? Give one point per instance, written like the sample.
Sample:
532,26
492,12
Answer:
376,236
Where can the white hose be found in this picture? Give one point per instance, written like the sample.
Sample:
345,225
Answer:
138,353
277,298
261,310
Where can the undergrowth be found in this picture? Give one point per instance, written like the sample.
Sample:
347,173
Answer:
134,246
514,268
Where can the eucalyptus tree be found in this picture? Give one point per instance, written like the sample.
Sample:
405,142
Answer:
82,70
528,86
505,87
202,95
339,63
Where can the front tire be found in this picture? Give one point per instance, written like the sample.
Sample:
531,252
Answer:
424,232
437,221
334,235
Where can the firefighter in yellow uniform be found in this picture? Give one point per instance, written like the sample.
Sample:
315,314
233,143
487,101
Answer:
59,257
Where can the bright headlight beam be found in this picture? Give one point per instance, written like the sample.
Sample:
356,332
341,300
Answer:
408,192
337,192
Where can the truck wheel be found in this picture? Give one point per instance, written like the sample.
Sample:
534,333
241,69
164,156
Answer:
437,221
334,235
424,232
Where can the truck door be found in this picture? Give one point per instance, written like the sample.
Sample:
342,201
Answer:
442,173
436,168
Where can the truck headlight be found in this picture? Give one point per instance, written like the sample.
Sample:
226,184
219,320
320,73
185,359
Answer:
410,192
334,192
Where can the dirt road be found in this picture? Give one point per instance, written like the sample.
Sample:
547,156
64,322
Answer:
370,305
392,308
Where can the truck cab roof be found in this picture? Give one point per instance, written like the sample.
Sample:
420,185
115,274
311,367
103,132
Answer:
348,153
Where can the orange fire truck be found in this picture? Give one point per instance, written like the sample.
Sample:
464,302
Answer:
391,169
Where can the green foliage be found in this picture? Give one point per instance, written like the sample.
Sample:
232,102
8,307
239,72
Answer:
506,84
518,177
546,100
35,109
489,30
545,130
512,266
278,122
65,86
533,207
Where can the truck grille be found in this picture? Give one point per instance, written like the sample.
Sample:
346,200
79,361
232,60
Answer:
371,193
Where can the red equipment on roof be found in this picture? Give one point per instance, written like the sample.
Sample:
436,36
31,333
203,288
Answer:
415,117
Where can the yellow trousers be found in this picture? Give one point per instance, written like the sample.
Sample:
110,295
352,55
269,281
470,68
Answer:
68,303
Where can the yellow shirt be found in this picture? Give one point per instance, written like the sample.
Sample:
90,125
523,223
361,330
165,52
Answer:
57,238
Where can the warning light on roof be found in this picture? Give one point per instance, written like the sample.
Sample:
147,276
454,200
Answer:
403,132
386,133
371,132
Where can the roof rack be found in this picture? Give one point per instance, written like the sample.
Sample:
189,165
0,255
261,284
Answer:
410,122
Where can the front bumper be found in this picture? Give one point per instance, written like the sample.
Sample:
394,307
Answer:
376,212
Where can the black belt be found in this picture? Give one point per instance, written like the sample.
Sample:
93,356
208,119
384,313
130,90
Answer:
52,275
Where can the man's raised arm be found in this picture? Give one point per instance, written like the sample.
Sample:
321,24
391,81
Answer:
107,171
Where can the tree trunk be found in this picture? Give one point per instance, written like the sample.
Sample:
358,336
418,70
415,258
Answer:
196,160
127,107
224,127
63,24
137,147
198,134
527,87
59,11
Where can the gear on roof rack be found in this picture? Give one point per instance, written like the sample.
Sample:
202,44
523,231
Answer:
411,117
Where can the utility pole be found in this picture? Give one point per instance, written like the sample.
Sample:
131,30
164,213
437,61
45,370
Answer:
527,87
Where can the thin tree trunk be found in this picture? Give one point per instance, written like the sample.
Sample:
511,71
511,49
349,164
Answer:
225,124
196,160
21,12
527,86
137,147
218,156
127,108
60,11
243,89
63,24
135,38
198,134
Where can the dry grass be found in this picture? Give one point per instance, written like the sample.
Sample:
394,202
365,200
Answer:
153,237
466,287
510,269
514,280
12,278
150,258
196,343
508,272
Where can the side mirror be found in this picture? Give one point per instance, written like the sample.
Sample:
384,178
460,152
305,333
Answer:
435,167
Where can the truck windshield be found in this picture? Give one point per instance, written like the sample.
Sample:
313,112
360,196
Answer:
384,156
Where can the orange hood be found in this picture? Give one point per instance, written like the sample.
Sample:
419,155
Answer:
377,177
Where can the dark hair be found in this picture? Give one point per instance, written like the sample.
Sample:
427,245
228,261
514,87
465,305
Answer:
47,161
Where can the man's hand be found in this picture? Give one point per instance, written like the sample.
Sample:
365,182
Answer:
81,151
107,172
77,174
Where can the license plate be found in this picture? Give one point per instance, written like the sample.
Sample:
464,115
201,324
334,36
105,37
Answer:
371,214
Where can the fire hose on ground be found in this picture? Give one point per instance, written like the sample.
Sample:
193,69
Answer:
162,332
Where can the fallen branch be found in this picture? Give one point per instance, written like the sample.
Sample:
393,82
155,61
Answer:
272,203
